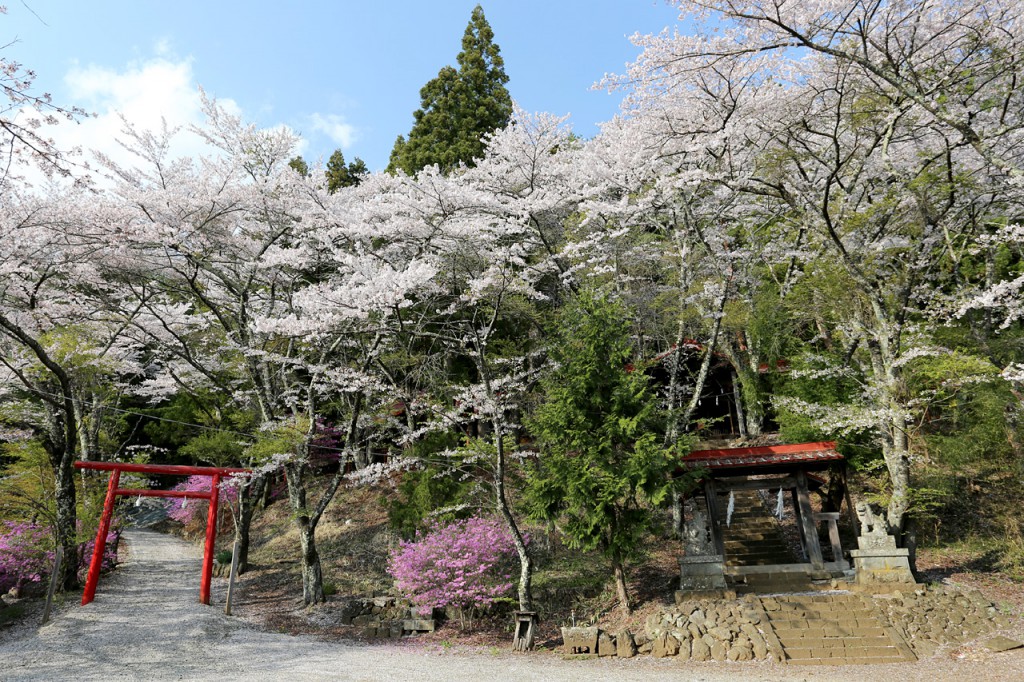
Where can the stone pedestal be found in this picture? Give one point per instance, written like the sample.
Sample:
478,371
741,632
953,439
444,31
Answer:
703,573
880,561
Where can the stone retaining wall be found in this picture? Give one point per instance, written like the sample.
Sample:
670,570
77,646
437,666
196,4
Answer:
385,617
704,630
926,617
709,630
931,616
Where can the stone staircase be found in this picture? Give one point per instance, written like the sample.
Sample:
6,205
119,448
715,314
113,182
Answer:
833,630
753,540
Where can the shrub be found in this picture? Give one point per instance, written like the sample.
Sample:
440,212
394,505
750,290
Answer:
194,511
462,565
23,554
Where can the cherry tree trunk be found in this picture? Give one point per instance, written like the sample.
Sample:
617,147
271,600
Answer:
248,496
312,574
67,518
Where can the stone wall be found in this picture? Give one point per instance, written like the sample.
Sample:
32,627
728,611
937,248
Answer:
704,630
710,630
385,617
931,616
926,617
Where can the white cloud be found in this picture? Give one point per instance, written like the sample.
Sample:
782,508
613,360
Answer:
334,127
146,94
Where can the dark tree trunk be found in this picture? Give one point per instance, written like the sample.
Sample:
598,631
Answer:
248,496
312,574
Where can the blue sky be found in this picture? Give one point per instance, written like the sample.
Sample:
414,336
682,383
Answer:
343,74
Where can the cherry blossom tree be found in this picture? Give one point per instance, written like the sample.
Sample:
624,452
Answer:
882,141
63,312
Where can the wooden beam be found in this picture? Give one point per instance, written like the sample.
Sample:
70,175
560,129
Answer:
726,485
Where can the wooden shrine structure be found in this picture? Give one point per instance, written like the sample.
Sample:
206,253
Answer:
793,470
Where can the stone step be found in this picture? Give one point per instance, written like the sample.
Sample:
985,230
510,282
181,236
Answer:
831,630
762,560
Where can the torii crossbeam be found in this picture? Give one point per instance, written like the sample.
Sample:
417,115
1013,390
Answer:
115,469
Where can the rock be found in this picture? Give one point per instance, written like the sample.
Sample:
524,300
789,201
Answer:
721,633
625,645
700,651
740,653
580,640
719,651
605,645
694,630
684,649
418,624
759,647
1000,643
666,645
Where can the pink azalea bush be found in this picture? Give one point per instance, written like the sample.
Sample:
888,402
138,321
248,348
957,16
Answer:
109,552
462,564
23,555
195,509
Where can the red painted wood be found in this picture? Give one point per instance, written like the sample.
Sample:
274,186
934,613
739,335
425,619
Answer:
115,469
211,538
762,450
137,492
89,593
169,469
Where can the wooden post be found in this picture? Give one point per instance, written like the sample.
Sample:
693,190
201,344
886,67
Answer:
231,577
799,523
54,577
810,530
832,518
100,545
710,496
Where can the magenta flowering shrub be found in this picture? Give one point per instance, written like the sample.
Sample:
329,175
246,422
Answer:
109,554
23,554
195,509
463,564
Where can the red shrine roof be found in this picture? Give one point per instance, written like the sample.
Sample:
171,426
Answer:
766,456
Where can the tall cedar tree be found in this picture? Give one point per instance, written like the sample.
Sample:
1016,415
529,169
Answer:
337,173
459,107
602,465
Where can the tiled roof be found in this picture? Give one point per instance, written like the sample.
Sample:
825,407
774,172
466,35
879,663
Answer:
771,455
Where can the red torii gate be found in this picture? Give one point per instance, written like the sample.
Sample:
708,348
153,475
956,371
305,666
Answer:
115,469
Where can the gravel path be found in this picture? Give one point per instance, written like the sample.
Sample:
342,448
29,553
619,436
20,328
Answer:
147,624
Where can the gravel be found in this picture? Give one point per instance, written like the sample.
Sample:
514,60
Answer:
146,624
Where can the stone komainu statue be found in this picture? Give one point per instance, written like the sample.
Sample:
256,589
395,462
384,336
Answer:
869,523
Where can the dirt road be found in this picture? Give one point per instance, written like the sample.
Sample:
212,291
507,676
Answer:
146,624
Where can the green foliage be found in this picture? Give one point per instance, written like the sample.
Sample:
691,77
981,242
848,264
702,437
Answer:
601,464
26,482
421,494
458,107
217,448
299,165
285,439
339,174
